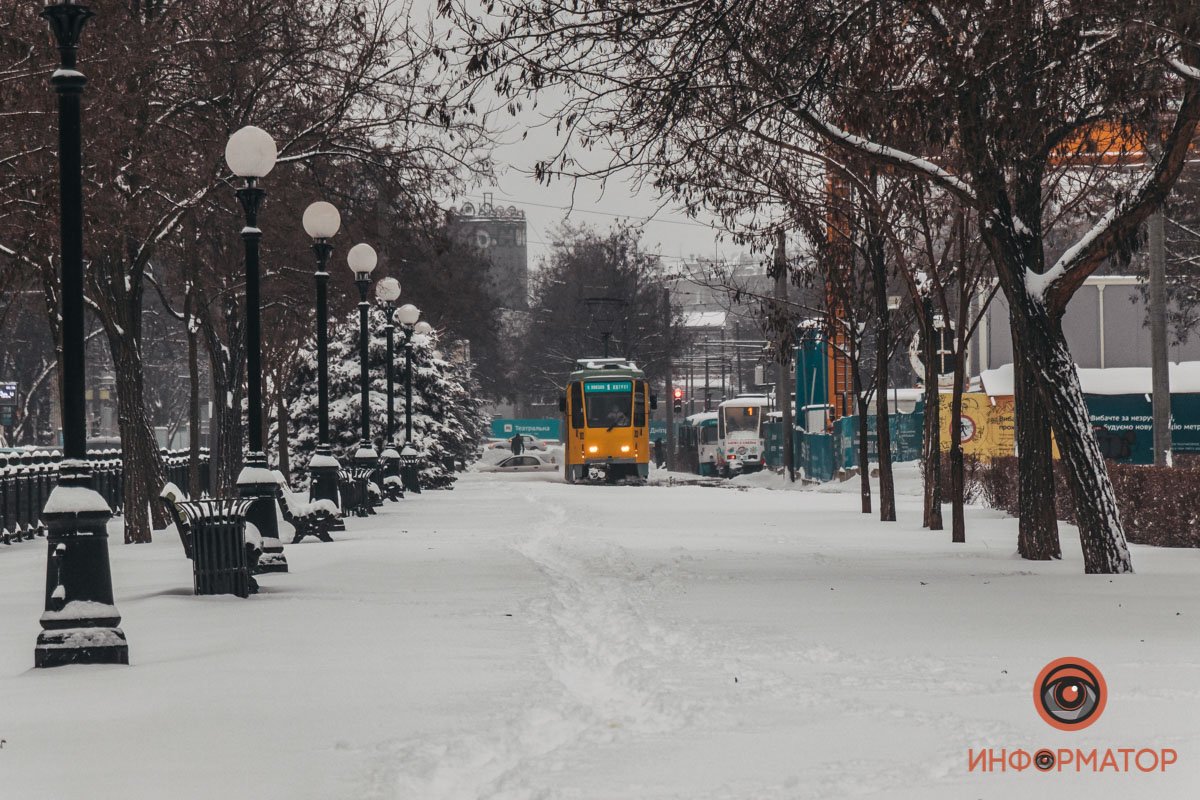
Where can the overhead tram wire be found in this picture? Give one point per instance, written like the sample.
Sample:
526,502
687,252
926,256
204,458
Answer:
571,209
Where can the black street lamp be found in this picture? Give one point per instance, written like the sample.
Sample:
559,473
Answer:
387,291
408,314
80,620
321,222
251,155
362,260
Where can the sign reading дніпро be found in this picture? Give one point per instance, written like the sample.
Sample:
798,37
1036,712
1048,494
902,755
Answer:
538,428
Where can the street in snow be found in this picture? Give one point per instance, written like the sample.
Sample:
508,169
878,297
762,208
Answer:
524,638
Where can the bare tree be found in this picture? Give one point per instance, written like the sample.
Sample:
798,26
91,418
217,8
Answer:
332,81
1012,89
586,265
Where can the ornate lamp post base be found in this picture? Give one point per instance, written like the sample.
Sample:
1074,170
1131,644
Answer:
365,457
80,621
323,482
411,469
58,648
393,486
256,482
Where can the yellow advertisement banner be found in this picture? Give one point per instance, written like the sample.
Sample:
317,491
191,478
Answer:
988,429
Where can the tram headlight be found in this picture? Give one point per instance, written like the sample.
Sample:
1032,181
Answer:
624,448
593,448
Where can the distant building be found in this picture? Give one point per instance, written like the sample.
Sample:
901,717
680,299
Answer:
720,303
499,233
1105,326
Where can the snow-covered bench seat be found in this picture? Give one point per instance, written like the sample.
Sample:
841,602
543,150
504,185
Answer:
309,517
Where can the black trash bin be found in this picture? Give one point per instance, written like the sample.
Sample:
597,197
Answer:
410,467
364,479
218,534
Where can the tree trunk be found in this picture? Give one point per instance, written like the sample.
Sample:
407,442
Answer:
864,471
933,432
226,363
1037,537
227,421
1042,359
958,525
143,466
282,425
195,489
1047,357
883,432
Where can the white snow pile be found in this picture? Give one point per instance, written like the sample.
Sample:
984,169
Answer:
75,500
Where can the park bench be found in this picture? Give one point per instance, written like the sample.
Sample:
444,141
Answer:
309,518
393,485
374,493
221,545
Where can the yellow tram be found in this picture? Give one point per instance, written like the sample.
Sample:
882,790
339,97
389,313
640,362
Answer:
607,421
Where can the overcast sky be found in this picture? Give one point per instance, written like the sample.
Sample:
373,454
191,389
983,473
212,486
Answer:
667,230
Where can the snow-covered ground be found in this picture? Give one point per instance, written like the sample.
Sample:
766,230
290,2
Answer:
521,638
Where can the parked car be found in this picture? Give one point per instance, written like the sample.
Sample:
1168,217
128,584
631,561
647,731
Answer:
530,442
535,462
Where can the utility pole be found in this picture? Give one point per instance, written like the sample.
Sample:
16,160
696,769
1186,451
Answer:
783,392
691,380
669,389
706,381
724,367
1159,367
737,348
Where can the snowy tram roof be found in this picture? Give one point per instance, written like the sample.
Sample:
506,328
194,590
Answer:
703,416
1185,379
604,363
746,401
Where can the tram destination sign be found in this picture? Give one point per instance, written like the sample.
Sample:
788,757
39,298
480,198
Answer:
607,387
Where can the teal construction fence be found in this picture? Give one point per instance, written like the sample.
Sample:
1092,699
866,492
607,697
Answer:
820,455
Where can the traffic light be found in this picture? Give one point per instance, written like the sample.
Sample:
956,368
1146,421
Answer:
677,397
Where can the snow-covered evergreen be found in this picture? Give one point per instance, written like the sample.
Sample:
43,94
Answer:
448,413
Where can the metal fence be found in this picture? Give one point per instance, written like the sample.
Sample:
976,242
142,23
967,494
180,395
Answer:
819,456
28,476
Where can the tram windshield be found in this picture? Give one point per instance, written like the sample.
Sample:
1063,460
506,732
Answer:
609,403
708,434
741,419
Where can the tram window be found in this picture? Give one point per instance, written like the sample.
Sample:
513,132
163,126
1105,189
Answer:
577,406
708,434
639,405
741,419
608,410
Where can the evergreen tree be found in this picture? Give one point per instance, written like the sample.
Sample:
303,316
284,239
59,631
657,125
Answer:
448,416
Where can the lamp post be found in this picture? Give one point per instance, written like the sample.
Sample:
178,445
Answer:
408,314
388,292
321,222
362,260
80,621
250,155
